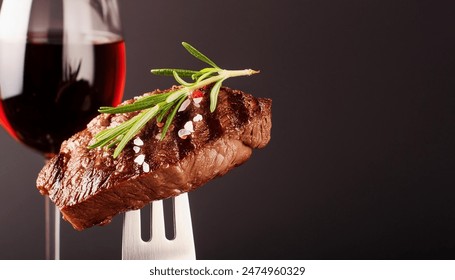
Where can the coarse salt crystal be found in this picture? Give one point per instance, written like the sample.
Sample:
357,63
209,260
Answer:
183,133
136,149
197,118
138,142
197,100
184,105
158,136
189,126
145,167
139,159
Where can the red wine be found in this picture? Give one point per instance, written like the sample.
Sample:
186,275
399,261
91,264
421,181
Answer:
56,99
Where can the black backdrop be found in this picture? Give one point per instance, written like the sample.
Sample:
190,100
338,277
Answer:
361,162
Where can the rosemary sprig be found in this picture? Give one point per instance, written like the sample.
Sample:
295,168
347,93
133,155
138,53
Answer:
165,105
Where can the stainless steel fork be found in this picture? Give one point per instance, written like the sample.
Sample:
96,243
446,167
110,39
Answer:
159,247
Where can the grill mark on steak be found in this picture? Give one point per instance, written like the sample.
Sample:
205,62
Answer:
258,107
149,133
240,111
185,146
212,121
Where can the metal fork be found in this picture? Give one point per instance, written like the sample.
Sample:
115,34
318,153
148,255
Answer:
159,247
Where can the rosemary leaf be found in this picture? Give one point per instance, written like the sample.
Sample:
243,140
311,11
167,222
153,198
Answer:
203,71
104,142
115,142
144,118
176,95
154,98
171,117
164,111
180,80
214,95
110,135
125,108
205,76
114,131
140,104
197,54
169,72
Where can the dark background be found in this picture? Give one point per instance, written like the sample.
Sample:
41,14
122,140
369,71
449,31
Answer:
361,162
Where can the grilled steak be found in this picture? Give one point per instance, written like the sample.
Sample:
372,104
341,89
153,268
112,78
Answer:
89,186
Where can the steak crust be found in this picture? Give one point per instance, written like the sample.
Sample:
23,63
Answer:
89,186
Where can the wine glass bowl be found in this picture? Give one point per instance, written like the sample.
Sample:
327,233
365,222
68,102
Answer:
59,62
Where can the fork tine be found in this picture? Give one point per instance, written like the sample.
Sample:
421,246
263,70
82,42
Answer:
182,217
183,227
157,224
131,234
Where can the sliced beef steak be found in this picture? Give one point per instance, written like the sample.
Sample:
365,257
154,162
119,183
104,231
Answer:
89,186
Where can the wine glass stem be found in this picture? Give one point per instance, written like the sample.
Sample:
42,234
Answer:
52,230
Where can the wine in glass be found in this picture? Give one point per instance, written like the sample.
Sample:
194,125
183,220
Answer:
60,60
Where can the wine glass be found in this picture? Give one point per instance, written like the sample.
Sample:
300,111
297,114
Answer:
60,60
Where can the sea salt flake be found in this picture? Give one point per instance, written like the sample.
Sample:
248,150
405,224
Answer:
145,167
189,126
138,142
197,118
136,149
197,100
184,105
183,133
139,159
